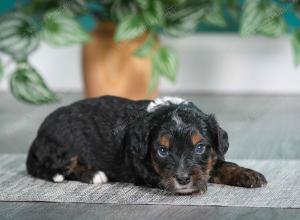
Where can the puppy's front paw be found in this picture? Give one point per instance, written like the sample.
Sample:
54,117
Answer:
58,178
248,178
100,178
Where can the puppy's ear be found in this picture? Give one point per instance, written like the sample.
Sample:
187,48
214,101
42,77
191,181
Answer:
137,138
219,137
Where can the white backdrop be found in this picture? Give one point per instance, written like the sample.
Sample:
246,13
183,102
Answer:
208,63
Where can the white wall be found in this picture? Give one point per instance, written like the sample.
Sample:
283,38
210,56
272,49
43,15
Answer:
209,63
60,67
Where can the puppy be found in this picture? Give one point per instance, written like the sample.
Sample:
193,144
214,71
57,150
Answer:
167,143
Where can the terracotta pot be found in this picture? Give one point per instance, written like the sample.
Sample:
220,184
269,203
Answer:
110,68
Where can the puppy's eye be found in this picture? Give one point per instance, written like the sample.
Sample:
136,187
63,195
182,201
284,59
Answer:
163,152
200,149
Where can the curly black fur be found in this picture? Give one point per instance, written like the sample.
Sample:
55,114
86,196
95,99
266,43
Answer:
121,138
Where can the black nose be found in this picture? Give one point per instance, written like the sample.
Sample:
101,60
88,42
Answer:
183,180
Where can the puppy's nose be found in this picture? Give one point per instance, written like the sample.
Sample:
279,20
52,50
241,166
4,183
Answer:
183,180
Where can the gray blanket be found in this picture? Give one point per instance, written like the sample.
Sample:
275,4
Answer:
282,191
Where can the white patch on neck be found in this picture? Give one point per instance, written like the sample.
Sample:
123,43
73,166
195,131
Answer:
156,103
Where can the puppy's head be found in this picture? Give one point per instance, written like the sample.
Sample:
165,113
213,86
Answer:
180,144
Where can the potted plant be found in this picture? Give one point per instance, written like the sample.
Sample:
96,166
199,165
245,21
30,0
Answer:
122,55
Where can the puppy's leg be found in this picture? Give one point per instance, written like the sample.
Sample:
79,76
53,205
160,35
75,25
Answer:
84,173
89,176
47,163
232,174
37,169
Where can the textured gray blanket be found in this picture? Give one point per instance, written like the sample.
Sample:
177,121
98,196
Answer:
283,190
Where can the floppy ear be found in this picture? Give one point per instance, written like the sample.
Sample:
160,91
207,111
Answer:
137,138
219,137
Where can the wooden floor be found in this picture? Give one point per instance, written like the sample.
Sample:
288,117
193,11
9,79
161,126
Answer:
44,211
261,127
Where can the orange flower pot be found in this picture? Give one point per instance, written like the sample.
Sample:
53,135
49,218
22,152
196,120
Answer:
110,68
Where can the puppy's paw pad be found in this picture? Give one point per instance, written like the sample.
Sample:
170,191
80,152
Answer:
100,178
58,178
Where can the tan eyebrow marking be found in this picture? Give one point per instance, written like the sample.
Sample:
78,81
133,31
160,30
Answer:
165,141
196,138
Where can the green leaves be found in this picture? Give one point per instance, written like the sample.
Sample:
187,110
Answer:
261,16
253,15
129,28
77,7
182,17
142,4
274,24
233,8
119,9
165,62
18,35
184,21
27,85
215,16
296,47
146,48
61,29
154,15
133,25
1,70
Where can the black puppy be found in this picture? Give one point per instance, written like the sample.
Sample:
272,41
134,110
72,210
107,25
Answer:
167,143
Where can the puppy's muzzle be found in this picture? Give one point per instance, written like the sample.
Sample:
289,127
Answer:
183,180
